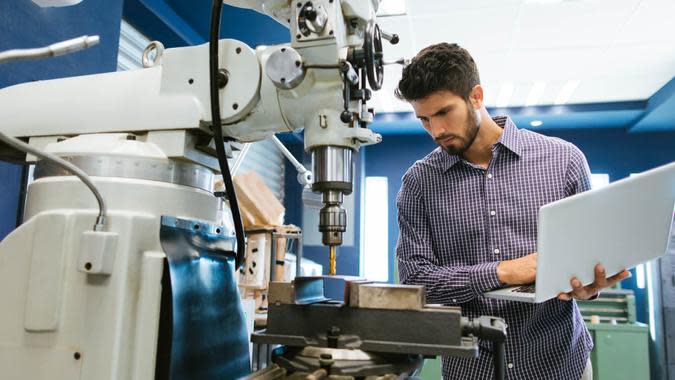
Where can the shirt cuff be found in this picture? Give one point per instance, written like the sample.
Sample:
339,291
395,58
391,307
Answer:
483,277
594,297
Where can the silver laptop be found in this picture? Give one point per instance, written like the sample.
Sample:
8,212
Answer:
621,225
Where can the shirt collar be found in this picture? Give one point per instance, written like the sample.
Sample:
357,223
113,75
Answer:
509,139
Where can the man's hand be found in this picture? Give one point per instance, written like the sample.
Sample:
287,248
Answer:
581,292
519,271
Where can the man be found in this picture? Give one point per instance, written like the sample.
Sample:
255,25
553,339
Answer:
468,219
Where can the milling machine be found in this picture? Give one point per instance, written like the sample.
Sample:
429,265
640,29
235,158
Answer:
149,291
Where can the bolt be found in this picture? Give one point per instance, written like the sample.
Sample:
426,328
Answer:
311,14
332,337
223,78
77,356
87,266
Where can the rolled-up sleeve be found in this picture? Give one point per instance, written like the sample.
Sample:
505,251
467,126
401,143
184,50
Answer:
418,264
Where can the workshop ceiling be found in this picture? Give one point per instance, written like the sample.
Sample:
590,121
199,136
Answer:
557,63
544,52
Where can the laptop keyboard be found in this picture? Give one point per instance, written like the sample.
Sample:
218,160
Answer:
524,289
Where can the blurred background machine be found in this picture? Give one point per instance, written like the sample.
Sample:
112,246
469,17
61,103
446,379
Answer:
621,348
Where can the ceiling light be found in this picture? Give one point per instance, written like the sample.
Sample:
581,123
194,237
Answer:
391,8
505,95
536,123
535,94
566,92
543,1
56,3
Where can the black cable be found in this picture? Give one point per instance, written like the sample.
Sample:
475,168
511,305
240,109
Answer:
19,145
500,360
492,329
218,133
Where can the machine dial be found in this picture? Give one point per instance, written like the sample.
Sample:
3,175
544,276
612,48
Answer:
372,50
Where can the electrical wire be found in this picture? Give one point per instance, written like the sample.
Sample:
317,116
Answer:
53,50
214,37
59,48
20,145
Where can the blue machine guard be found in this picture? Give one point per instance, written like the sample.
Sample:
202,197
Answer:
209,339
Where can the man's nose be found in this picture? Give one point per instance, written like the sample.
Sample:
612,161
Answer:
437,128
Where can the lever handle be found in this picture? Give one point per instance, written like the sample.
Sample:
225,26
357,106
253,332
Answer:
400,61
391,37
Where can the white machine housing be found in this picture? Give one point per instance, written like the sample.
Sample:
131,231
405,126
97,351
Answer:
74,307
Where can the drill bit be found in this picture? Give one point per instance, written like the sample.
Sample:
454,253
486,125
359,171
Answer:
331,258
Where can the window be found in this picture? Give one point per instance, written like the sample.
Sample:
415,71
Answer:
375,252
599,180
391,8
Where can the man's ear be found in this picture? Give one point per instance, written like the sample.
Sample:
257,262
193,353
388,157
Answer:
476,97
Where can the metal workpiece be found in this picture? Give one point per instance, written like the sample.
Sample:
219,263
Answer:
306,290
152,169
284,68
387,296
297,292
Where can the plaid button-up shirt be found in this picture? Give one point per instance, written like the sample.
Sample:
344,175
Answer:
457,221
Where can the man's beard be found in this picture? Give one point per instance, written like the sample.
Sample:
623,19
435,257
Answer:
472,126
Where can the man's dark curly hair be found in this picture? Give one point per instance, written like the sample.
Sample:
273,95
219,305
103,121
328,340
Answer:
436,68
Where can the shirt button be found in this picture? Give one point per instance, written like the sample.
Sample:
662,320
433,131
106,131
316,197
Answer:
493,212
510,365
496,251
489,175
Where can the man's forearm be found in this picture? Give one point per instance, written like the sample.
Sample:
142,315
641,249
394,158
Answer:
522,270
451,285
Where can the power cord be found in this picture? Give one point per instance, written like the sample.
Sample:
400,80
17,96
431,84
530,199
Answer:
59,48
218,133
